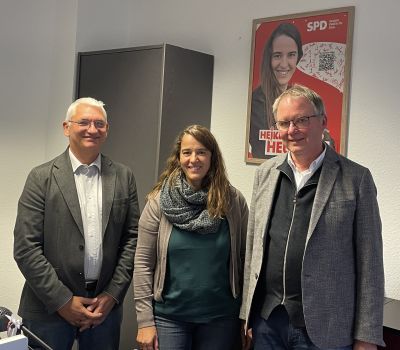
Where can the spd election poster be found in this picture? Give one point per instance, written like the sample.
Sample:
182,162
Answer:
311,49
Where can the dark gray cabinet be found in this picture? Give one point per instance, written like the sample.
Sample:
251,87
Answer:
151,93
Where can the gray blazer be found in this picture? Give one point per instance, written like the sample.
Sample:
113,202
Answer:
49,241
342,274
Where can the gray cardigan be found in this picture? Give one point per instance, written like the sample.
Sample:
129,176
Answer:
151,254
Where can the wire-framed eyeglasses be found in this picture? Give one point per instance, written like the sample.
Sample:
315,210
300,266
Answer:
299,122
85,123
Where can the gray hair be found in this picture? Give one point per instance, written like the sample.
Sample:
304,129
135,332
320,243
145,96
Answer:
298,90
85,101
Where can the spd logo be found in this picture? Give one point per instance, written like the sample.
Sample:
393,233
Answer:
316,25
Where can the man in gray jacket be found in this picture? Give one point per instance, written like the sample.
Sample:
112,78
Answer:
75,238
314,268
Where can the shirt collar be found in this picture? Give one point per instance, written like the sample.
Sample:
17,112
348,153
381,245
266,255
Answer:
76,163
314,164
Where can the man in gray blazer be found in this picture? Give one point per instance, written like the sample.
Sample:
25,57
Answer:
75,238
313,274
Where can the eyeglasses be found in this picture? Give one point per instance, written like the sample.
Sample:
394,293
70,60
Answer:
299,123
84,123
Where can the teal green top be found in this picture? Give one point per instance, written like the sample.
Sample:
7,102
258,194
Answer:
197,287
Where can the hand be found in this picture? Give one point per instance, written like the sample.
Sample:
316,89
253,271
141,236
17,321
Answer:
103,305
147,338
247,337
75,311
362,345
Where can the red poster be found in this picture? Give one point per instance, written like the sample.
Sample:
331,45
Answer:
315,51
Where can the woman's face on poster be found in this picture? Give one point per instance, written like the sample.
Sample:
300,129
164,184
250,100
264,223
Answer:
284,59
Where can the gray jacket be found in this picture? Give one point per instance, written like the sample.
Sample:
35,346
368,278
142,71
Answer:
342,274
49,241
151,254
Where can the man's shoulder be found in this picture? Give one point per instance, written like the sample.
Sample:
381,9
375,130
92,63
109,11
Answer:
45,167
345,163
120,168
272,163
40,175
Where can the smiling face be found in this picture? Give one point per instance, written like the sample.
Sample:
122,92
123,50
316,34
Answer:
85,141
195,160
305,144
284,59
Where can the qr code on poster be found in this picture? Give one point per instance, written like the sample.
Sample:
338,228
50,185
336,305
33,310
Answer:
326,61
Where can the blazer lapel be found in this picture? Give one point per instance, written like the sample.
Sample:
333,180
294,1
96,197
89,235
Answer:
65,179
108,176
326,181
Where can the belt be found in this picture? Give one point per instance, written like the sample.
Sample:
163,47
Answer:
90,285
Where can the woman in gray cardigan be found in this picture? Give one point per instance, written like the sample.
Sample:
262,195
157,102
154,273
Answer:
190,251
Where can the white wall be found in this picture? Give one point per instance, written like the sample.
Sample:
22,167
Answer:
37,44
38,41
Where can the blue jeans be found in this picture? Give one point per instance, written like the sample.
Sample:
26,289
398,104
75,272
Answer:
60,335
277,333
215,335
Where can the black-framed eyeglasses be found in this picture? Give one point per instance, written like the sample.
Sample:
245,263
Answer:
299,123
85,123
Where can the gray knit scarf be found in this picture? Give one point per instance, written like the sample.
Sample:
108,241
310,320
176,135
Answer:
186,208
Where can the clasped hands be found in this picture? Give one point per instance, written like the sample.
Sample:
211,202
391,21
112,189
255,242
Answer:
87,312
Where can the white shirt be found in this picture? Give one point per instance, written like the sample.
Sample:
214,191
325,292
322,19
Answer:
301,177
88,186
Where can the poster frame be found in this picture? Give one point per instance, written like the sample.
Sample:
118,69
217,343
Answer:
322,20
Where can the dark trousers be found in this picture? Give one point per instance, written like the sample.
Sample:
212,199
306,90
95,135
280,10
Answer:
277,333
60,335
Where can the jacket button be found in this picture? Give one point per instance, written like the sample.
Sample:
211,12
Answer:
256,276
81,247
